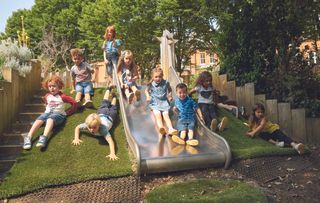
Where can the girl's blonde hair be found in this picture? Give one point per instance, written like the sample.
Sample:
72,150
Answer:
93,120
111,29
253,120
133,68
157,69
202,77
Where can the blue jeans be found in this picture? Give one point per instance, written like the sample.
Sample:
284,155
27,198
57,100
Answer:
84,87
185,124
58,118
112,63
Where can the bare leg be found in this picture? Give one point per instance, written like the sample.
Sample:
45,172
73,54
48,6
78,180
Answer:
48,128
106,95
157,115
168,123
136,92
114,101
190,134
36,125
183,134
226,106
78,96
87,96
272,141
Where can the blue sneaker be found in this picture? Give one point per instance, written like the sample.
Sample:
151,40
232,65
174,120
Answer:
42,141
26,142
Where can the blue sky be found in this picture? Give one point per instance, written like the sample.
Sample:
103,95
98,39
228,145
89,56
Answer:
8,6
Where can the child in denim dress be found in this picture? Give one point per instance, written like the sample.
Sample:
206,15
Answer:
54,114
111,51
159,94
100,123
127,72
186,107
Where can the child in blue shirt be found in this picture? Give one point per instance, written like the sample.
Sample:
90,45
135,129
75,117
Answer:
186,108
100,123
159,94
111,51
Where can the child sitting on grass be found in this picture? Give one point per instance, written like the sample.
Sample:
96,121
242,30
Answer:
205,91
100,123
260,126
54,114
82,81
186,107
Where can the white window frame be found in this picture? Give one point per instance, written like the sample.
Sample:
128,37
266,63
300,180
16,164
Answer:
212,61
202,58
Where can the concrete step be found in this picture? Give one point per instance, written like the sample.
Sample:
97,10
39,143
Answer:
29,116
7,151
21,127
11,139
34,107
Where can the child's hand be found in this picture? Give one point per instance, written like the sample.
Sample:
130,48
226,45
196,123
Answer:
106,61
76,142
148,99
170,98
112,157
250,134
93,80
72,91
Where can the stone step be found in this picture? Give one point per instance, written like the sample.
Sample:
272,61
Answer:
5,166
34,107
9,151
11,139
21,127
29,116
37,99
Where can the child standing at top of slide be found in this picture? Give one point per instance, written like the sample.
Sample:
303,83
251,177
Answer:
81,78
260,126
111,50
205,91
159,93
54,114
127,72
186,108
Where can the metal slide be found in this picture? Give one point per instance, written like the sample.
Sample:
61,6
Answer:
154,153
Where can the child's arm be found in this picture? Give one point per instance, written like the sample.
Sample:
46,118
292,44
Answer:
76,140
112,155
192,91
256,131
71,101
170,98
135,74
148,97
200,114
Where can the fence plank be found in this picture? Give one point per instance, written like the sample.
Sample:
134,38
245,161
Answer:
216,80
240,96
284,116
248,95
231,90
299,125
223,84
260,98
272,110
2,117
313,130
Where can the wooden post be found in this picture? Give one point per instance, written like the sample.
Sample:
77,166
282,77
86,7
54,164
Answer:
299,125
284,115
272,110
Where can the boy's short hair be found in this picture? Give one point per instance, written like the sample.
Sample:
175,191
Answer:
93,120
181,86
76,52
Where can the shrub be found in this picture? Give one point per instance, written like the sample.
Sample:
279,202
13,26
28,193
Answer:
14,56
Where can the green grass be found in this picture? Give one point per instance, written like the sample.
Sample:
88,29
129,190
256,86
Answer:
63,163
206,191
243,147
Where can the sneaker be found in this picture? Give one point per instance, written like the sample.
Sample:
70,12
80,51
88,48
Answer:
138,95
235,111
299,148
162,131
223,124
173,131
177,139
42,141
213,125
242,111
26,142
280,144
88,104
192,142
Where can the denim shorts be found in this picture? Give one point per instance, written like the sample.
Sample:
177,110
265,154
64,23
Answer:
185,125
108,109
58,118
112,63
84,87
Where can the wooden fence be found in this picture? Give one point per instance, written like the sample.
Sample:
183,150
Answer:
292,121
16,91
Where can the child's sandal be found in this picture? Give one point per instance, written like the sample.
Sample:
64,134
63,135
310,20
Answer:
193,142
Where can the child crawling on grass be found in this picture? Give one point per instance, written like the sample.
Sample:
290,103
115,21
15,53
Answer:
100,123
